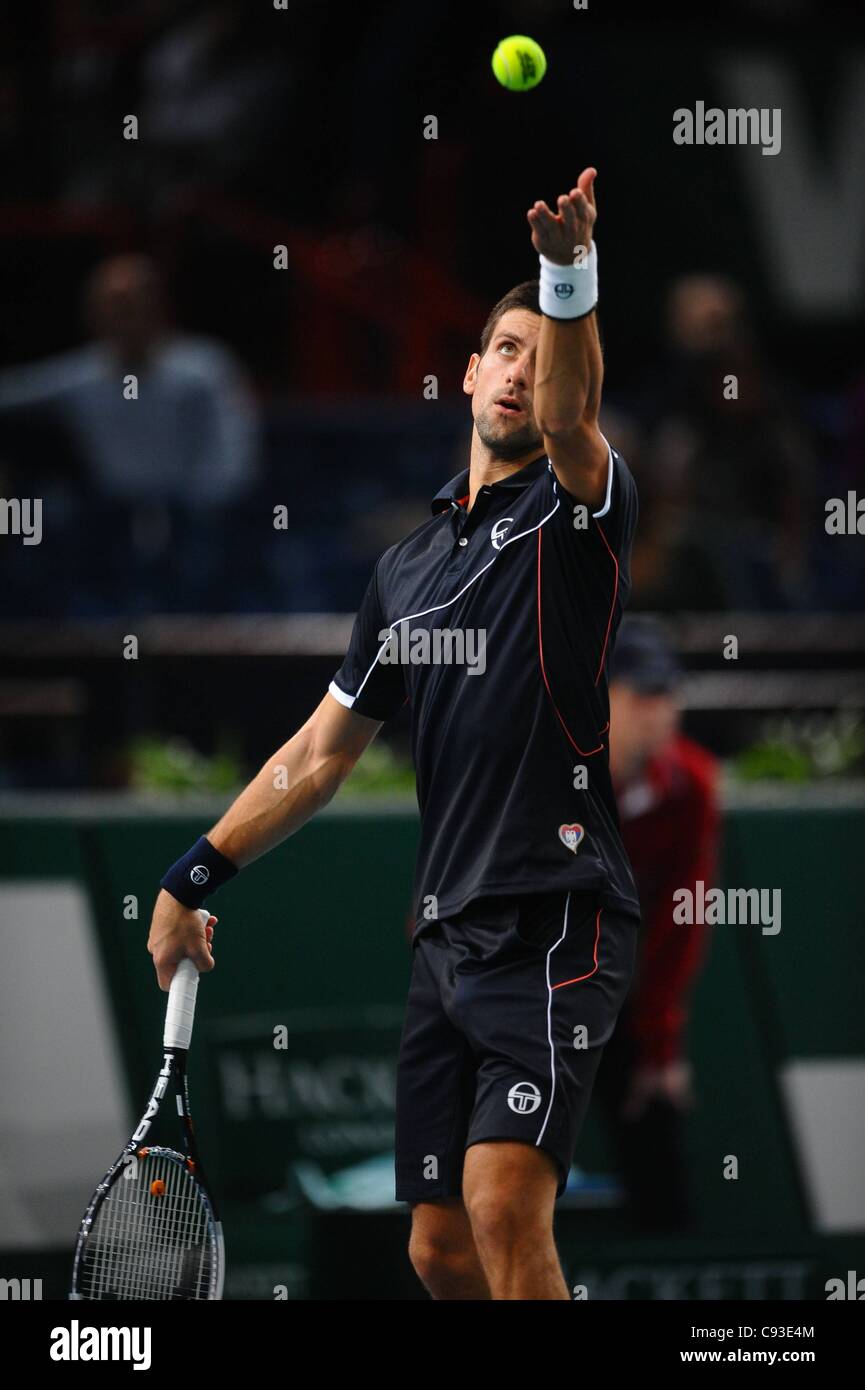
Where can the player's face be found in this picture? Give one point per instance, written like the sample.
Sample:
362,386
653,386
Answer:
506,370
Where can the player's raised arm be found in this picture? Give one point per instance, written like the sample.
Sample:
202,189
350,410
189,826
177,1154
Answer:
569,367
301,777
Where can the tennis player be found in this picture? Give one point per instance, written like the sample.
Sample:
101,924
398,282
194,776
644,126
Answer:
526,910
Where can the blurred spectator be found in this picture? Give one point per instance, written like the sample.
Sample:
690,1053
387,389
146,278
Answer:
213,91
729,466
144,510
207,80
668,808
191,434
667,561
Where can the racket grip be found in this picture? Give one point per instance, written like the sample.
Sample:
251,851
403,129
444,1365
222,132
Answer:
180,1012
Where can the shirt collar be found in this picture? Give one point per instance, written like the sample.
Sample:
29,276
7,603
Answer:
458,487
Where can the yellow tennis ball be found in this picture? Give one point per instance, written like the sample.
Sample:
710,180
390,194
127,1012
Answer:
519,63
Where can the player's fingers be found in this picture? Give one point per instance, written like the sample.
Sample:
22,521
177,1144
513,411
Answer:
586,182
584,207
201,957
569,216
164,973
581,207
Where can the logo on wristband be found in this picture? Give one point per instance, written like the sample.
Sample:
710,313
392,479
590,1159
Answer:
563,290
200,874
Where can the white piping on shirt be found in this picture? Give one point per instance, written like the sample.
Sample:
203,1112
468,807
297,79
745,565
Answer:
609,494
348,700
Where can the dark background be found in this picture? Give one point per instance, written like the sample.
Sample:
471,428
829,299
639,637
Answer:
304,128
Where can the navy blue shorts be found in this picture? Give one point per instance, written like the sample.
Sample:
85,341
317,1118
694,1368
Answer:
509,1007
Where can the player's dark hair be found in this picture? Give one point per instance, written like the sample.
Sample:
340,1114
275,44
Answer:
524,296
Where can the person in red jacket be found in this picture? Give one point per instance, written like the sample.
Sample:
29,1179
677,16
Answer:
666,792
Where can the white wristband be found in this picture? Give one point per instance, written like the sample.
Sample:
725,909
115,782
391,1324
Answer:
569,291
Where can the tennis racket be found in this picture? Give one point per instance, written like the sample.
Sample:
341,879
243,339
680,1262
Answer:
152,1230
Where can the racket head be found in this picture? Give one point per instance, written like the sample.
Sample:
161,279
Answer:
150,1233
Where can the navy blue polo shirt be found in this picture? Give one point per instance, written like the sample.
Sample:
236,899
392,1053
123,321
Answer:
497,625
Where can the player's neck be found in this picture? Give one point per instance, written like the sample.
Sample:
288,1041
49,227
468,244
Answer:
485,468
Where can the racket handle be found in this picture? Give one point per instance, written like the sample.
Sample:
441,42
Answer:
180,1012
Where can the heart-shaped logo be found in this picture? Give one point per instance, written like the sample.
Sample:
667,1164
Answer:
570,836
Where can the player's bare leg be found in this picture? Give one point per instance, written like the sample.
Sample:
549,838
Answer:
509,1190
442,1250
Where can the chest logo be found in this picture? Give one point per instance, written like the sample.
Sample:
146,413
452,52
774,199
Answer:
571,836
499,531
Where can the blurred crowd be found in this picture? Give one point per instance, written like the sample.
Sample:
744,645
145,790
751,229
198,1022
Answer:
733,471
206,391
159,469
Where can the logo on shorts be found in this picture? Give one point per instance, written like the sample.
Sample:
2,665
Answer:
200,874
571,836
499,531
524,1097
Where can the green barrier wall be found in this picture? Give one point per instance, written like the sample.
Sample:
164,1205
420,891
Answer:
312,940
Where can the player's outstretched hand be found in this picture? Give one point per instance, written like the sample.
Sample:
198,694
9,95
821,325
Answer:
557,235
177,931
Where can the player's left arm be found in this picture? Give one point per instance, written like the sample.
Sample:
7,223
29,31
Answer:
569,367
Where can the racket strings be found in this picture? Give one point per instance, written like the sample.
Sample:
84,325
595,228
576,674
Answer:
151,1237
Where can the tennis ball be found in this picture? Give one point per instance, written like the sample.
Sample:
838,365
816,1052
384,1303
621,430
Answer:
519,63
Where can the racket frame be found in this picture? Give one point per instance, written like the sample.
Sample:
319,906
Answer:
178,1025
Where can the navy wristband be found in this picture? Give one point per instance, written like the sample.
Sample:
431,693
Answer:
201,871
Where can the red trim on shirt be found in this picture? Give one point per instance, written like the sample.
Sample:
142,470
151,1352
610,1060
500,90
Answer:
612,605
544,671
577,978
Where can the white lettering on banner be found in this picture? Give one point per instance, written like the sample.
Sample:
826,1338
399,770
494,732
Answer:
267,1086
